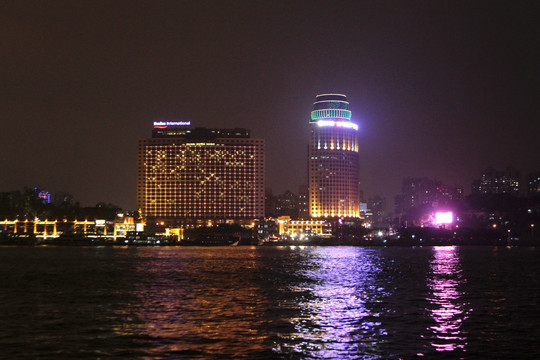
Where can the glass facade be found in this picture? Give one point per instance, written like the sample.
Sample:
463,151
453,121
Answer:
333,159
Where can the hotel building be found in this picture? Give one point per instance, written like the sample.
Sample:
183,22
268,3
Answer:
198,175
333,159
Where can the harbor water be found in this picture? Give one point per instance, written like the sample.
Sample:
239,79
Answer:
269,302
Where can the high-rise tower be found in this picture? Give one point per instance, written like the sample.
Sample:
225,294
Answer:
333,159
187,175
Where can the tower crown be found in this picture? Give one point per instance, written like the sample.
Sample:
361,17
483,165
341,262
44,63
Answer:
331,106
331,101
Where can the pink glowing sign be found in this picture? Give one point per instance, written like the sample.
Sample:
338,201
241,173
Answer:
444,217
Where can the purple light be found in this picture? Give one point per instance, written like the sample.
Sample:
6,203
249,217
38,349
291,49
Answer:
444,218
449,310
344,124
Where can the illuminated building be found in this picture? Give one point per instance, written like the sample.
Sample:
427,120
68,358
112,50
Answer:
111,228
333,159
302,228
498,182
188,175
533,184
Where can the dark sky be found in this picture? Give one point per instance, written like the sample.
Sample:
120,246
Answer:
439,88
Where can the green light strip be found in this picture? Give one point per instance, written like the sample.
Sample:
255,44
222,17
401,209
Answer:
331,114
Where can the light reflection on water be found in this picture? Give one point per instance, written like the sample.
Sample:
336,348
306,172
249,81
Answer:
336,320
269,303
300,302
448,309
196,306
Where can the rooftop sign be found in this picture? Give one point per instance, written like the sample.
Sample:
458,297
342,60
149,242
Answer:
165,124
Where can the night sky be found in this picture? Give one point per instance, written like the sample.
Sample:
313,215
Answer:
441,89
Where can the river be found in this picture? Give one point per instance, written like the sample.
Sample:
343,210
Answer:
269,302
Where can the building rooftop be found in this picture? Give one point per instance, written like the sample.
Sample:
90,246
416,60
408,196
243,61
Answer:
198,133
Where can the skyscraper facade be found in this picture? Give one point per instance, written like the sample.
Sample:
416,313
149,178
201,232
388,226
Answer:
187,175
333,159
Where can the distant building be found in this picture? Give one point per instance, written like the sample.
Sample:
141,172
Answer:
377,206
364,209
62,198
270,204
424,191
333,159
533,184
22,201
303,202
196,175
287,204
497,182
9,198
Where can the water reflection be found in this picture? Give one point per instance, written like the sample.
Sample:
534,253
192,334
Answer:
448,310
336,317
196,303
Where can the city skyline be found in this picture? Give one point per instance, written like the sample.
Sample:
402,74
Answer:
442,90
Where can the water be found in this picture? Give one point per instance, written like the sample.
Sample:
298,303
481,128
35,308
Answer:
264,302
